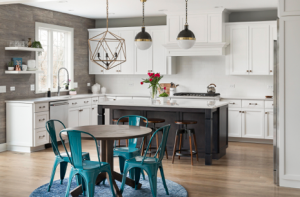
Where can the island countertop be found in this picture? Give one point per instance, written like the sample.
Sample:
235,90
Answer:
195,104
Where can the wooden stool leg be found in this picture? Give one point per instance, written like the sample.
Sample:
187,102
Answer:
191,149
143,147
180,144
157,146
127,142
195,143
150,146
174,149
119,144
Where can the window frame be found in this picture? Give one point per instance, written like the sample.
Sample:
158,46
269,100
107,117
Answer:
39,25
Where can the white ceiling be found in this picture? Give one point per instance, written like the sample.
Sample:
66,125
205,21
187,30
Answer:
133,8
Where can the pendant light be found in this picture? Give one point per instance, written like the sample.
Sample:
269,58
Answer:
109,48
186,38
143,40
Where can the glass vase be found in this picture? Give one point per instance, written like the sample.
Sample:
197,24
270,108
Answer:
153,94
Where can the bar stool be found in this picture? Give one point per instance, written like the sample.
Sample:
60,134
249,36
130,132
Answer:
180,133
123,121
153,121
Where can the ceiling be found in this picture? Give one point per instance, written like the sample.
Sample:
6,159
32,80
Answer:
133,8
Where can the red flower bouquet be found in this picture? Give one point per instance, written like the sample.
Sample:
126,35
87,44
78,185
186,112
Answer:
153,81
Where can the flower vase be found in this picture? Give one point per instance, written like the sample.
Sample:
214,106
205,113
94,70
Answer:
153,94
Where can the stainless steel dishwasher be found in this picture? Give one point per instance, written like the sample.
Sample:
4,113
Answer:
59,110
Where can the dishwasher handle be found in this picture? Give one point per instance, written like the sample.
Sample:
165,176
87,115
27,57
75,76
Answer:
59,103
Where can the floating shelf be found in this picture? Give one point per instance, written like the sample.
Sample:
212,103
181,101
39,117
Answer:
22,72
24,49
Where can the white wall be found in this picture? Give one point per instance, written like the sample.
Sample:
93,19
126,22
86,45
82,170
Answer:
193,75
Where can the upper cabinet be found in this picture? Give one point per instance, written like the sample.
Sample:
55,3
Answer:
137,61
288,8
251,48
208,27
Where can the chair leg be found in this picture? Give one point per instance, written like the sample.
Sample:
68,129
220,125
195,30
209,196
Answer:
90,180
174,149
63,169
191,148
110,181
69,183
56,162
124,178
163,179
131,173
153,183
195,143
121,164
166,152
137,177
143,174
180,144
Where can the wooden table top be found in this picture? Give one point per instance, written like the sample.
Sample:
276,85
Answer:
112,132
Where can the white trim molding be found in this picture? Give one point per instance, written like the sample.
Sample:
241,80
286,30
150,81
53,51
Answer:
2,147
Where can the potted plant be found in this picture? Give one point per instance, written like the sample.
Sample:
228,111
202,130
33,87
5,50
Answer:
11,65
66,84
153,81
72,92
163,97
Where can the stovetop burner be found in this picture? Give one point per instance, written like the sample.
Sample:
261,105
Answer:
196,94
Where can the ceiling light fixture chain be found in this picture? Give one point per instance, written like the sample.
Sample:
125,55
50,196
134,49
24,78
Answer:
107,15
143,14
186,13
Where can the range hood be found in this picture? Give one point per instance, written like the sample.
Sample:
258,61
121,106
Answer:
199,49
208,27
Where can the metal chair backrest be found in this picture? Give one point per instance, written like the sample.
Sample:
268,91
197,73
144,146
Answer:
50,126
162,146
74,137
133,120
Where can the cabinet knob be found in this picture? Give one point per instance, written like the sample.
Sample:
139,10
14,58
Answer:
266,112
247,71
271,71
232,103
93,108
252,103
42,136
41,119
250,71
81,110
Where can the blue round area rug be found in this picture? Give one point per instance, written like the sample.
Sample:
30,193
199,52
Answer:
58,190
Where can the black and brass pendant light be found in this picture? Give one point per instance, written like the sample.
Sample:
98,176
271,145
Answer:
186,38
107,49
143,40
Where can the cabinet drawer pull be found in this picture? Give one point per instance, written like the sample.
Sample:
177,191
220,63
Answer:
232,103
74,103
240,111
41,119
247,71
95,100
93,108
81,110
271,71
266,112
252,103
85,101
42,136
42,107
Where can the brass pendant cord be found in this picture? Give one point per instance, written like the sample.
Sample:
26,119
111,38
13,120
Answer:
186,11
143,14
107,15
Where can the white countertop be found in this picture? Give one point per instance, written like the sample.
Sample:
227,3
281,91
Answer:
195,104
80,96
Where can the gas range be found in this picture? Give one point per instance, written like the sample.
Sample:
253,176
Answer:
203,95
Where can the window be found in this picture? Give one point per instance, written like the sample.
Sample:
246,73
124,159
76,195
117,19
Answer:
57,42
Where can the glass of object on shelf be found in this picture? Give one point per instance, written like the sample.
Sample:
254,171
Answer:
12,43
22,43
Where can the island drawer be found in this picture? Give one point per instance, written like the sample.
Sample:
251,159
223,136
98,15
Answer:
80,102
95,100
269,104
41,137
40,119
253,104
234,103
40,107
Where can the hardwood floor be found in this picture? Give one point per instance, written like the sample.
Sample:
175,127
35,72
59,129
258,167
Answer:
246,170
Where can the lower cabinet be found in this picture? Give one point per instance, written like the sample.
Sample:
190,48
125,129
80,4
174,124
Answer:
253,123
79,116
234,122
94,115
269,125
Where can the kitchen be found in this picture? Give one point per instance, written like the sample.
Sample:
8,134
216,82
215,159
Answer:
232,44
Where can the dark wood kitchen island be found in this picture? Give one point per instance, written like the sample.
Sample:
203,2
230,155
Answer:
211,129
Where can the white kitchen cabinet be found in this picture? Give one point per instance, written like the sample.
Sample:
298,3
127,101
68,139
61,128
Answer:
253,123
128,66
112,46
73,117
143,59
79,116
250,51
174,28
269,124
198,24
159,58
273,37
93,67
94,115
234,122
215,28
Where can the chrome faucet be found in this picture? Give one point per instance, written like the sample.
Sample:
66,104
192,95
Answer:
58,91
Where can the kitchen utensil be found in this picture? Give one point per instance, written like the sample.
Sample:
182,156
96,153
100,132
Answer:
211,88
172,91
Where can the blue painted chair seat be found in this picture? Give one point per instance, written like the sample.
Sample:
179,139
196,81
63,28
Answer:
65,154
148,160
90,165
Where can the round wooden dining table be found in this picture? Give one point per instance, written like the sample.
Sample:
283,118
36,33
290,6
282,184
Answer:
105,136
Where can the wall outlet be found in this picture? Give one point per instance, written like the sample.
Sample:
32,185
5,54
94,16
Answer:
2,89
232,86
12,88
75,85
270,86
32,87
88,84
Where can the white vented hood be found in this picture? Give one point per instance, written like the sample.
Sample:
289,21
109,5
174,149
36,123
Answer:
208,27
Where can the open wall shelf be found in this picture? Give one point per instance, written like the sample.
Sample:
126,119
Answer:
23,49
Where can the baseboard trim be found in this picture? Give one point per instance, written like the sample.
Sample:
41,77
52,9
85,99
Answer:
2,147
250,140
25,149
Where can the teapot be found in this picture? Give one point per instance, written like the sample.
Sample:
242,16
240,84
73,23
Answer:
211,88
96,88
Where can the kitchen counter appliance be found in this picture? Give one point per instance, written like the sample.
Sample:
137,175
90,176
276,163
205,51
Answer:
59,110
215,95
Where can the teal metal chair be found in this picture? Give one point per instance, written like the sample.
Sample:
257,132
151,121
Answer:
125,153
86,169
60,158
149,164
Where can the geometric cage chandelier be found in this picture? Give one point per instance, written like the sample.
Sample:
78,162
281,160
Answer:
109,49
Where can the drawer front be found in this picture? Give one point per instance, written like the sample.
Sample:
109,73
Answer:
41,137
234,103
269,104
80,102
253,104
111,98
40,107
40,119
95,100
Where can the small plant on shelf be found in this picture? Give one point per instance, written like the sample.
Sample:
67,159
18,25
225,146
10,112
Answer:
38,45
72,92
11,65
